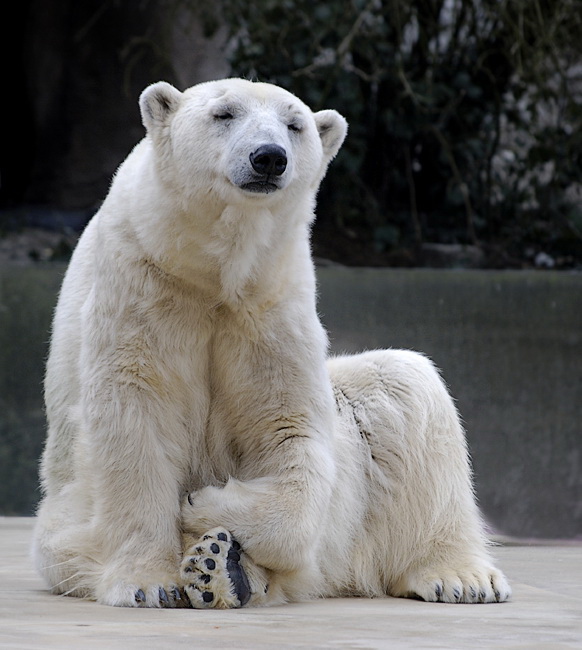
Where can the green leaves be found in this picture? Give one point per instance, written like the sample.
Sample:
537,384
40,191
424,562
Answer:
454,107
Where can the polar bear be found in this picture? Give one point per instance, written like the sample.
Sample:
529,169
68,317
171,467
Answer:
202,450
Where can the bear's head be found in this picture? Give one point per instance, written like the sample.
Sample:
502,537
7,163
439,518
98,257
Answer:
239,141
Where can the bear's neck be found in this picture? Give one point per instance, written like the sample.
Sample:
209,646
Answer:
254,251
233,253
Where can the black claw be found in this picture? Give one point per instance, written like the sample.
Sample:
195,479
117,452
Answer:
438,590
222,537
235,545
140,596
163,596
457,593
207,596
188,569
482,595
205,578
176,593
215,548
497,595
210,563
190,499
473,592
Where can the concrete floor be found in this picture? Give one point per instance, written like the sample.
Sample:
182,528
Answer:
545,613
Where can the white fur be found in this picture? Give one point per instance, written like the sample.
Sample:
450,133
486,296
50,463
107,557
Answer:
187,357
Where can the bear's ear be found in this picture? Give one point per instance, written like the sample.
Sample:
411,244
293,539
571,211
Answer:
157,103
332,129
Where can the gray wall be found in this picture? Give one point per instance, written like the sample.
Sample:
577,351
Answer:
509,345
27,298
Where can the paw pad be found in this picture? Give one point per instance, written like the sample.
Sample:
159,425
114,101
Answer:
212,572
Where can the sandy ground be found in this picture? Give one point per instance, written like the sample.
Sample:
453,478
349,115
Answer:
545,613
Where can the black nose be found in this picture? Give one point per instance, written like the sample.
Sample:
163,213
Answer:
269,159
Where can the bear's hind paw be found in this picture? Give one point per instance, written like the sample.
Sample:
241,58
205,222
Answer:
481,586
212,574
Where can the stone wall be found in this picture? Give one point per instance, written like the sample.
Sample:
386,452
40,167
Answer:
509,345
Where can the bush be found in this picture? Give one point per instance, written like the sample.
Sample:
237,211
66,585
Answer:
465,117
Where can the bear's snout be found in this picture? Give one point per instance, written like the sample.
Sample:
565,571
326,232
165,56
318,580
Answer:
269,160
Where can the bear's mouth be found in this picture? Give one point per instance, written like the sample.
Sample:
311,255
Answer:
260,187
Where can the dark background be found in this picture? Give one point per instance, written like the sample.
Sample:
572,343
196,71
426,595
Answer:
465,143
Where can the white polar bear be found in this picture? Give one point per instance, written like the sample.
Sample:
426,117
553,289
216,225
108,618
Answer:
198,451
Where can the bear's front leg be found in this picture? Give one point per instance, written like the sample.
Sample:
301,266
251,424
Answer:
277,519
272,408
136,449
135,526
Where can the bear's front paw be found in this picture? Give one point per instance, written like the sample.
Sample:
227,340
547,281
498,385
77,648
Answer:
161,597
212,574
141,593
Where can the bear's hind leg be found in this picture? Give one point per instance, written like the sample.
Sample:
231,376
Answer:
422,504
217,574
54,550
